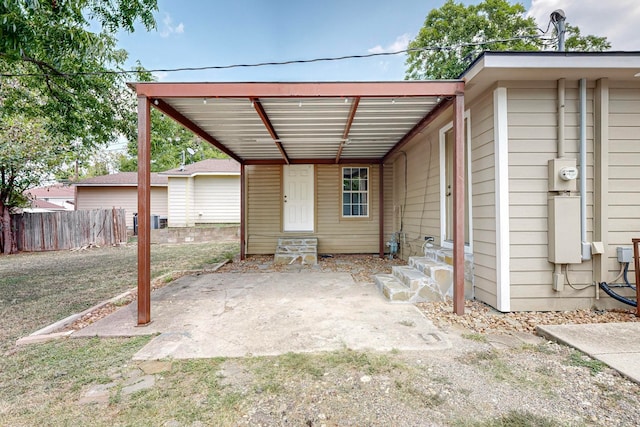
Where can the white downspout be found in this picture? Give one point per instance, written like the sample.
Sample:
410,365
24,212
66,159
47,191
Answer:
586,247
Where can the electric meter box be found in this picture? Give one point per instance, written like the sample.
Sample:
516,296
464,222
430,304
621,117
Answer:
562,175
565,246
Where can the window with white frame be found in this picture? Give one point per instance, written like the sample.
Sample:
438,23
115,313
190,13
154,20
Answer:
355,192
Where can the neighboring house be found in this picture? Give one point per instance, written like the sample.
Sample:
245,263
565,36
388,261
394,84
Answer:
120,190
354,163
205,192
62,195
43,206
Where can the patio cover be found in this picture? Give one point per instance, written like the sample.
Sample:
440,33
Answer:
300,123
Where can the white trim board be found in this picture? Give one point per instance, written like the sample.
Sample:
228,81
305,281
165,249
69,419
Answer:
503,255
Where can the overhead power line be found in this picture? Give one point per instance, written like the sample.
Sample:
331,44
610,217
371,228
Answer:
290,62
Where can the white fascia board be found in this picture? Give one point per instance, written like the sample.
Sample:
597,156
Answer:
560,61
203,174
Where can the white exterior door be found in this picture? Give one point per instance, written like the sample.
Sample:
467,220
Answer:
446,185
298,197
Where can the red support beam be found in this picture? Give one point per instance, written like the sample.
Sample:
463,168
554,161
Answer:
243,223
267,123
347,128
144,211
299,89
381,211
350,161
458,204
636,263
426,120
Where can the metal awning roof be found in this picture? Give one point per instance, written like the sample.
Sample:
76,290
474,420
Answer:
282,123
278,123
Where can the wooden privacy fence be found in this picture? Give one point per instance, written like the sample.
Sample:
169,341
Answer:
52,231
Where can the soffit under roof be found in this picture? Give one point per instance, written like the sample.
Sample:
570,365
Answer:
492,67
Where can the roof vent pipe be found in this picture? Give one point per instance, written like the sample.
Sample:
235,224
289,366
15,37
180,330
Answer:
558,19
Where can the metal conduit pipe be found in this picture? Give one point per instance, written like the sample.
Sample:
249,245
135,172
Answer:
561,108
586,247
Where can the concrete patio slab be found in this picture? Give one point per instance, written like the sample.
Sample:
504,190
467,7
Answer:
240,314
616,344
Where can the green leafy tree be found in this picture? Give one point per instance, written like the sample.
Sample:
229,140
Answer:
169,141
453,35
61,84
27,154
576,42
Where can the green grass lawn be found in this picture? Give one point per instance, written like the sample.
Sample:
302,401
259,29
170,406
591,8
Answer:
45,384
37,289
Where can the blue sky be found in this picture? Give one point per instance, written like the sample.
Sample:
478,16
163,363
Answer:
196,33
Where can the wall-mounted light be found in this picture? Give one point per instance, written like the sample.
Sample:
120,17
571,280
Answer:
204,101
300,104
155,102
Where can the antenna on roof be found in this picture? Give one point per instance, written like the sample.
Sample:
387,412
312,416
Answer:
558,18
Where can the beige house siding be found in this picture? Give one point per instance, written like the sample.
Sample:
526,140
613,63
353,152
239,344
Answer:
624,171
203,200
483,198
335,234
120,197
217,199
177,192
416,190
532,118
389,226
263,208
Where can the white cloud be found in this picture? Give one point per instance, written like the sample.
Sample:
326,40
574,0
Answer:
168,28
160,75
400,44
617,20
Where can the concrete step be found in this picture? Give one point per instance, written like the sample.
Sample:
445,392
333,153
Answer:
439,272
299,249
392,288
291,249
298,241
445,256
409,276
407,284
423,287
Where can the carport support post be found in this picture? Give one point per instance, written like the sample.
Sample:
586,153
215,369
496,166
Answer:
144,204
458,204
243,222
381,211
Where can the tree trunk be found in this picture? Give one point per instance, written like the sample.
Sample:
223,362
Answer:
5,226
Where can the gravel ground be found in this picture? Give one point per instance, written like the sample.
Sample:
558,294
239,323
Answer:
497,373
